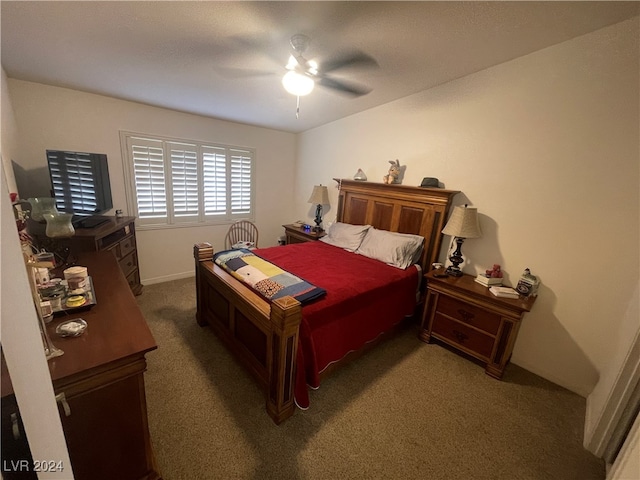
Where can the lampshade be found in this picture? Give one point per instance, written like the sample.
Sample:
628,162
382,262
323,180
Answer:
297,84
463,223
320,195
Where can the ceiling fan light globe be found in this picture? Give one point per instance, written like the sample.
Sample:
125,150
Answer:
292,63
297,84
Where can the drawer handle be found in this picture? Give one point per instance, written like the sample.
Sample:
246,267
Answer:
461,337
15,428
61,399
466,316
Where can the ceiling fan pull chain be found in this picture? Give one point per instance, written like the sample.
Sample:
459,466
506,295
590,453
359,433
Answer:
297,107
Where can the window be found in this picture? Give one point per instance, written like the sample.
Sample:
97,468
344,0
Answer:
176,182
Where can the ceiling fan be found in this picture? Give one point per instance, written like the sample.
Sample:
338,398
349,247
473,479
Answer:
303,74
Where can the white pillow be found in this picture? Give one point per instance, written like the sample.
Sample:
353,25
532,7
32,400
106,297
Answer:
345,236
398,249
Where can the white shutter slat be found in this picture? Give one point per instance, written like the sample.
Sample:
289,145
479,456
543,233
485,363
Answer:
214,166
241,175
184,179
148,166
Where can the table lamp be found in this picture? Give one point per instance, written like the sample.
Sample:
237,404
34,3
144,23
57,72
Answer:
462,224
319,196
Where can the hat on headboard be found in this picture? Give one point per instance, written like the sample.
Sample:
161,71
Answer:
430,182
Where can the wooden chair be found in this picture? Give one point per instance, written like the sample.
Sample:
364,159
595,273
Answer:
241,231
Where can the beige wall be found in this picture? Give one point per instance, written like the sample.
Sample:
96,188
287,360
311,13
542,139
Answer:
58,118
9,133
547,148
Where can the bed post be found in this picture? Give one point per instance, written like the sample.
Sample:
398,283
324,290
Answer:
201,253
286,314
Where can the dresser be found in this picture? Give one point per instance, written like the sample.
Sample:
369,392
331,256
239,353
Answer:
117,235
466,316
99,383
295,234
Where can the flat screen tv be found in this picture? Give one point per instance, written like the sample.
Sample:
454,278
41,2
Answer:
80,185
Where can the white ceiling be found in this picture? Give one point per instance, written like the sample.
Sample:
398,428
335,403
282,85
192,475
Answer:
226,59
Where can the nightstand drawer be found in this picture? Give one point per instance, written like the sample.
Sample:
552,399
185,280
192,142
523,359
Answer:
470,314
295,239
477,343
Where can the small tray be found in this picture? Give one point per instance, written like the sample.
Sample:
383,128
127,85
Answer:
72,328
90,300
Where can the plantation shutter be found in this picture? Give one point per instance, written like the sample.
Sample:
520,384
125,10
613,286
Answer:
80,193
173,181
240,185
149,179
214,179
184,180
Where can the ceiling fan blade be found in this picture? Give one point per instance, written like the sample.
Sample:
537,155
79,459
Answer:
358,59
344,87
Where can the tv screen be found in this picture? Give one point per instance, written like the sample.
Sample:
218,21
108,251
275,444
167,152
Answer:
80,185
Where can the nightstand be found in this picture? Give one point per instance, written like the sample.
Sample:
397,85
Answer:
466,316
295,234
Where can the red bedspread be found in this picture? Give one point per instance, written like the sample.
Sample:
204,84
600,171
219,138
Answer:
364,298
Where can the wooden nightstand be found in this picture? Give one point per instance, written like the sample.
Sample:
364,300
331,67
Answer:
465,315
296,234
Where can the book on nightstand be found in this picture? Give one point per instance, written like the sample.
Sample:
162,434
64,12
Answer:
504,292
488,281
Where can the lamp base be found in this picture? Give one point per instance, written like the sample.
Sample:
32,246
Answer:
456,259
318,219
453,271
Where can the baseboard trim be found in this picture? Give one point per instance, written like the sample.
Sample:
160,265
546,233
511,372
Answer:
167,278
579,389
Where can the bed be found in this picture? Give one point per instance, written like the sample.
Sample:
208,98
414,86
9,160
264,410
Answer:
286,345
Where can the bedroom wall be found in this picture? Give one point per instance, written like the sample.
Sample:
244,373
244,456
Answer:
547,148
58,118
9,133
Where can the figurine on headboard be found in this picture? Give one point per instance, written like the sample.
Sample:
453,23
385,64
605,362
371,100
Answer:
394,173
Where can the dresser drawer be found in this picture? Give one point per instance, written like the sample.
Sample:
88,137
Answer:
133,279
124,247
464,312
457,333
129,263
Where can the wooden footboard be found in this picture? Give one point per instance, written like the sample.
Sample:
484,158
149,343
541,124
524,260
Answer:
262,335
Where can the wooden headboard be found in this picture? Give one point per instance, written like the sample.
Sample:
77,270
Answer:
397,208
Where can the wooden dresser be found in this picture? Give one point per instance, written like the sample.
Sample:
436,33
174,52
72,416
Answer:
118,235
100,376
465,315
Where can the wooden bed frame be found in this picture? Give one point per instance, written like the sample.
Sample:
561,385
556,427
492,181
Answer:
264,336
